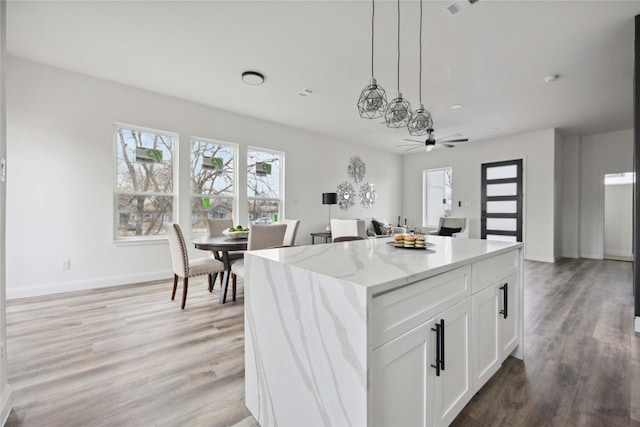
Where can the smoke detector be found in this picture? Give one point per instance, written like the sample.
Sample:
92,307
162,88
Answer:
460,5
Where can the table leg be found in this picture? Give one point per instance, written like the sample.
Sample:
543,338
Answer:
225,277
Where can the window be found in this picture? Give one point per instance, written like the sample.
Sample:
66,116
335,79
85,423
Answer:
436,184
212,182
145,176
264,184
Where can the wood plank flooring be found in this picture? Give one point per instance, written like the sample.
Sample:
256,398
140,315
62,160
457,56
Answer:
128,356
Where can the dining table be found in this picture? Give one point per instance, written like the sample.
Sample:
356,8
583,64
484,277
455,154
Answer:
220,246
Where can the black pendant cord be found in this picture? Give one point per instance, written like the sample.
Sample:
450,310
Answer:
420,44
373,15
398,75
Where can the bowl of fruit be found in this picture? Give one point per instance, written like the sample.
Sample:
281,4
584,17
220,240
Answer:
238,232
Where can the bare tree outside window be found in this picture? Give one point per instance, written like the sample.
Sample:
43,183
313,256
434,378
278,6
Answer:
144,181
212,182
263,184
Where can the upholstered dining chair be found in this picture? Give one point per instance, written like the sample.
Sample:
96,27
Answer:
292,231
454,227
215,227
346,238
261,236
183,266
348,227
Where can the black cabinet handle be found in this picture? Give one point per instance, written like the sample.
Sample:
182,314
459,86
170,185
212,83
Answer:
505,300
442,344
438,331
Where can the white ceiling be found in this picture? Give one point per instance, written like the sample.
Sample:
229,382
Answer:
491,57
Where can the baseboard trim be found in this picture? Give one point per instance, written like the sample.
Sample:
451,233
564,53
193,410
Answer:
571,255
541,258
591,256
637,325
81,285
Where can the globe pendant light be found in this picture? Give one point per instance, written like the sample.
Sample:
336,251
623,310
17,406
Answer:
398,111
373,99
421,122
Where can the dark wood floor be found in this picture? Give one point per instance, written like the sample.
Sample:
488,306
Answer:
128,356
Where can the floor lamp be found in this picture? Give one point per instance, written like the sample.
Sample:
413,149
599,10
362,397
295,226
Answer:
329,199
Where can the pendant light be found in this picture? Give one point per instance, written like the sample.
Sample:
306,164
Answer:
421,122
398,111
373,99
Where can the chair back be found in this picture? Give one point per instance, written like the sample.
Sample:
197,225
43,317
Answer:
179,254
346,238
348,227
264,236
292,231
451,222
215,227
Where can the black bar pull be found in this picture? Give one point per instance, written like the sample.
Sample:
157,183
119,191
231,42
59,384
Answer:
505,300
442,344
437,330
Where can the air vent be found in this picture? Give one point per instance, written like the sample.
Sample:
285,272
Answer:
459,6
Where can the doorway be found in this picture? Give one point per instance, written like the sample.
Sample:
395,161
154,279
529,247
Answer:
618,216
501,201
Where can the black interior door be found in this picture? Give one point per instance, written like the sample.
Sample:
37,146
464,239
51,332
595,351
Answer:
501,199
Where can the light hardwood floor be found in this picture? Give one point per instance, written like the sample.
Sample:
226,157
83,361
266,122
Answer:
128,356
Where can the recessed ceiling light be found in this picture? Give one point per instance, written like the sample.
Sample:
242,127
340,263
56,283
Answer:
456,106
252,78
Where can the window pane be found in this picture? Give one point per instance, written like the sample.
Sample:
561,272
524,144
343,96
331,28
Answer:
259,208
263,174
140,215
506,224
212,168
502,189
438,185
501,238
501,207
203,208
501,172
144,161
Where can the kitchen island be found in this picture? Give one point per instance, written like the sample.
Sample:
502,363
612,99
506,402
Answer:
363,333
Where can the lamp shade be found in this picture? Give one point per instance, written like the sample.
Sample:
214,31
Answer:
329,198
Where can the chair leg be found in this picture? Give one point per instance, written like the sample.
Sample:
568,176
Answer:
184,291
175,286
212,281
233,286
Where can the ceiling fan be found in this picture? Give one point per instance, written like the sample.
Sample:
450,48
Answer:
431,142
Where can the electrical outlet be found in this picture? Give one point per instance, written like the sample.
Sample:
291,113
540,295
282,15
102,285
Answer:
65,264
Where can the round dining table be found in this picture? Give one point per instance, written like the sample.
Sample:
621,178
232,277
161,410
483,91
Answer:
221,246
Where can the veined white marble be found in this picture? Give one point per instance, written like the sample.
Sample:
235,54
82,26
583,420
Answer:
306,317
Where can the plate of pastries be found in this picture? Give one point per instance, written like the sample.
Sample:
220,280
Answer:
410,241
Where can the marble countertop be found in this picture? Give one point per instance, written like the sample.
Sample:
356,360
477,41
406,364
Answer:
379,266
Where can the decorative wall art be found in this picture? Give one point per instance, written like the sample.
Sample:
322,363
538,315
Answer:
367,195
346,195
356,169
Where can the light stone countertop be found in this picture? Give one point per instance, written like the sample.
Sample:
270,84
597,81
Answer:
379,266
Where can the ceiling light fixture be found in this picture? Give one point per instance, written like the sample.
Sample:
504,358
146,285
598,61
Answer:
398,111
252,78
551,78
421,121
456,106
373,99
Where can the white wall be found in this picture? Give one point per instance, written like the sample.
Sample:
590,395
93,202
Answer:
595,156
538,149
61,177
618,221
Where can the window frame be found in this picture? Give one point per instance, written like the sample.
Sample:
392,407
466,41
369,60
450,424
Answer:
175,185
425,186
233,198
280,199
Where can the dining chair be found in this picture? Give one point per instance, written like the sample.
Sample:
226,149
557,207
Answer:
348,227
347,238
183,266
292,231
260,237
215,227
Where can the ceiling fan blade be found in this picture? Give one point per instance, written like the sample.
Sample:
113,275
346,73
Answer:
448,145
455,140
413,148
410,145
448,136
412,140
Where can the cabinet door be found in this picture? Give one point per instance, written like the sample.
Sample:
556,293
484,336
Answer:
508,326
402,379
453,389
486,348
